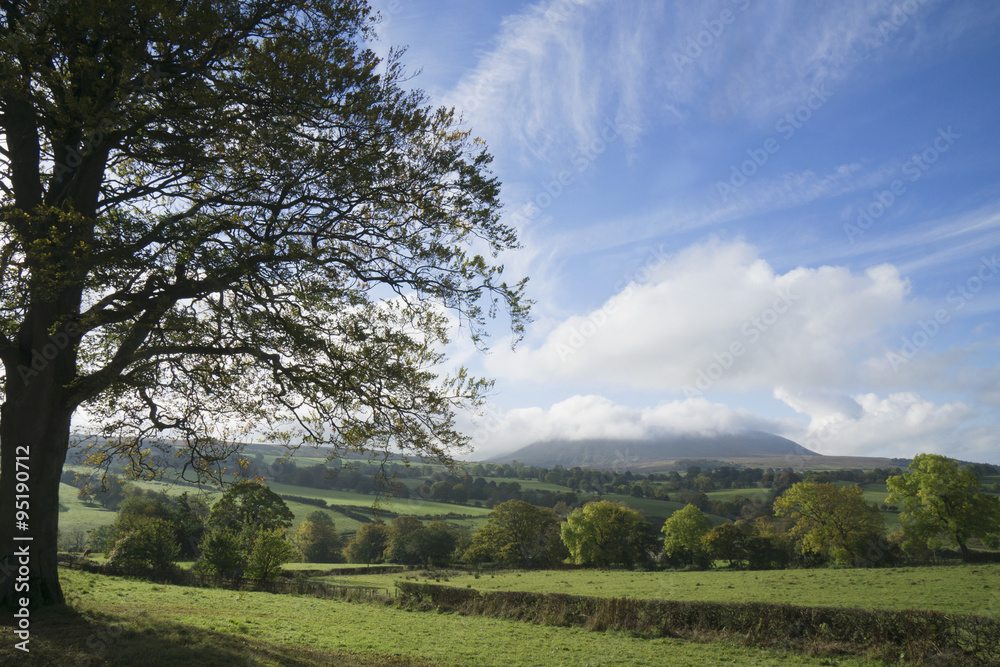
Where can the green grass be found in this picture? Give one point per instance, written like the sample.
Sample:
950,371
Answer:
754,492
125,622
964,589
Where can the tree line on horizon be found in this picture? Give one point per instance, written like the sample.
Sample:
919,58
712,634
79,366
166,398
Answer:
808,523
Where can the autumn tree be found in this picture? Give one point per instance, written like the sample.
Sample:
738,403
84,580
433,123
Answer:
606,533
834,522
368,544
223,217
318,539
943,504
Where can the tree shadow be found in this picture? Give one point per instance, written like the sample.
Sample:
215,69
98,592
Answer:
64,637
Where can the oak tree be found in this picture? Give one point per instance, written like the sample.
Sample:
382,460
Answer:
219,218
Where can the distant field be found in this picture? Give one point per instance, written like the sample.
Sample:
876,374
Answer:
964,589
129,622
80,516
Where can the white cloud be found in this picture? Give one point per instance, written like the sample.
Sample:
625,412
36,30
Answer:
560,68
717,316
597,417
899,425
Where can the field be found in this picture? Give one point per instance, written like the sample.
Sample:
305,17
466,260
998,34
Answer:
80,516
962,589
127,622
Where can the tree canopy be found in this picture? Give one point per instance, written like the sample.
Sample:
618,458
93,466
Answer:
518,534
942,503
683,533
836,522
228,217
607,533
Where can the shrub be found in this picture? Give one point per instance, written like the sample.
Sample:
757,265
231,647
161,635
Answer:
147,548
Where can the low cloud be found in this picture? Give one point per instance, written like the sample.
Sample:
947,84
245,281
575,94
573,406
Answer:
597,417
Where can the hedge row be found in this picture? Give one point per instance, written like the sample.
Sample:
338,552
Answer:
920,637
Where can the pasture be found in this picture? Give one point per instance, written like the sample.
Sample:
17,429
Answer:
122,621
962,589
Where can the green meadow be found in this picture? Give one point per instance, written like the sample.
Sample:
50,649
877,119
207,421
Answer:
962,589
115,621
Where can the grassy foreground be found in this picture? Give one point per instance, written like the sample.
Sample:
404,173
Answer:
117,621
960,589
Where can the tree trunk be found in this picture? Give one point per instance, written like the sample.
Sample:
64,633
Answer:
34,436
966,554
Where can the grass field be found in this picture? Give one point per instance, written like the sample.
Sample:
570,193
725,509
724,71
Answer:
963,589
126,622
80,516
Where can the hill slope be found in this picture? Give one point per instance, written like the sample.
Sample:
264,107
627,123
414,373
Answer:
636,454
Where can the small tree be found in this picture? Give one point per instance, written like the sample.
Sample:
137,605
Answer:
730,542
221,554
318,539
369,544
683,533
249,503
436,543
103,538
404,544
270,551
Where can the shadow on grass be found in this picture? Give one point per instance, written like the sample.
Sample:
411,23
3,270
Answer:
64,637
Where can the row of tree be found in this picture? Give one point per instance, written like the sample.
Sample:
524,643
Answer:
246,532
810,523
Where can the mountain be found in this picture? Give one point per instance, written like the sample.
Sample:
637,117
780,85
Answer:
646,454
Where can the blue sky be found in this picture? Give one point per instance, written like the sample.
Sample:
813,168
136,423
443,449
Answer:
737,214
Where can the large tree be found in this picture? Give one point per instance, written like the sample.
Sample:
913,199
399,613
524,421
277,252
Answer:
836,522
517,533
607,533
942,503
222,216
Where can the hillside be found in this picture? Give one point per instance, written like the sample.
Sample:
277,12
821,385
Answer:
643,454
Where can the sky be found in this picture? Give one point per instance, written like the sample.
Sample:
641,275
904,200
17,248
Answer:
781,216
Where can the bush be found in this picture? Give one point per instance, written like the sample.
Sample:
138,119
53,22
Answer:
923,636
147,548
